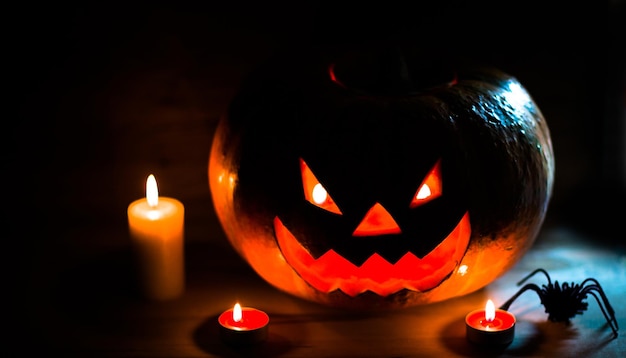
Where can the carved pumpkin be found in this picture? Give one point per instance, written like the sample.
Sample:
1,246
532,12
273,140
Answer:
354,181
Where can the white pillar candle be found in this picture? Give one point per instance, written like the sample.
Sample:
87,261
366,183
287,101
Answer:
157,232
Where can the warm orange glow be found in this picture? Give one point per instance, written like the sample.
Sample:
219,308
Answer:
237,312
332,272
156,228
152,191
231,179
490,311
430,187
377,221
314,191
462,270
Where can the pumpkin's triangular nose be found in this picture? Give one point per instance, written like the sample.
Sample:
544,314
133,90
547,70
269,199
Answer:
377,221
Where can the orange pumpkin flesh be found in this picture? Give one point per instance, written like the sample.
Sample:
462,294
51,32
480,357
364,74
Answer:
377,221
332,272
341,224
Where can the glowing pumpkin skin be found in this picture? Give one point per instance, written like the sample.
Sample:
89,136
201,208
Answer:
367,194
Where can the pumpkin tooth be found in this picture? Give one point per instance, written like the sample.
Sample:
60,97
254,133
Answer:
331,271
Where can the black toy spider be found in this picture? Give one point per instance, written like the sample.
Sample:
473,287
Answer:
564,302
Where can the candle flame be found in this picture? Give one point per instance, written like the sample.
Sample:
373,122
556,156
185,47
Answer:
237,312
490,311
152,191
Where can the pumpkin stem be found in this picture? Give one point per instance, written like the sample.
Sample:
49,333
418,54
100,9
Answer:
390,70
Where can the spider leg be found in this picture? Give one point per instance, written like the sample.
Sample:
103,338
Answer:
533,273
599,289
531,286
610,318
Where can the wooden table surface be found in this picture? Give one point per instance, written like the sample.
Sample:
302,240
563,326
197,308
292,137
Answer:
91,308
109,94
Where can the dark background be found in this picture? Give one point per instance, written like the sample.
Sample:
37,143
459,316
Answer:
95,79
104,93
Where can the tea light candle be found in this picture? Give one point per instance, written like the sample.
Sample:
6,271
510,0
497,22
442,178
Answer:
157,229
490,326
243,325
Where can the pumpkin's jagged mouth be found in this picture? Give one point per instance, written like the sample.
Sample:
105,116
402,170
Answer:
332,272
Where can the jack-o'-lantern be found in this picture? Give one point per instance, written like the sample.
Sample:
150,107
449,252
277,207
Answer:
370,180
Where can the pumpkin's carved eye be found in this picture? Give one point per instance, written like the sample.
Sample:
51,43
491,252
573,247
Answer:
314,191
430,188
